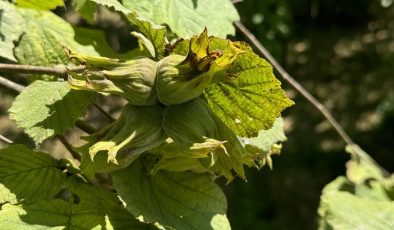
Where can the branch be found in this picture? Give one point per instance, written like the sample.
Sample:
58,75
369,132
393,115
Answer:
85,126
68,146
6,140
30,69
105,114
286,76
11,85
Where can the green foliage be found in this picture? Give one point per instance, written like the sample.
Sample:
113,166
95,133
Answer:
44,38
10,30
37,193
170,141
265,144
39,4
86,8
362,200
251,99
182,200
19,167
187,18
44,109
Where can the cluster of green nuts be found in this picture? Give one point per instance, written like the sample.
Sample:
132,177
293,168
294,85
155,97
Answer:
166,115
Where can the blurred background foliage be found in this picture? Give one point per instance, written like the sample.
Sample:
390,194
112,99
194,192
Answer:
342,52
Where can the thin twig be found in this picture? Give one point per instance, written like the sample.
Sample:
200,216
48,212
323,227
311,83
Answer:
11,85
6,140
286,76
84,126
106,115
236,1
68,146
305,93
30,69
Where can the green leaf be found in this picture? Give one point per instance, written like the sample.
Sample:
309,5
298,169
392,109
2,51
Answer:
342,210
265,144
360,170
362,200
154,33
27,176
107,202
40,4
10,29
88,208
45,35
250,98
267,138
187,18
179,200
86,8
44,109
96,38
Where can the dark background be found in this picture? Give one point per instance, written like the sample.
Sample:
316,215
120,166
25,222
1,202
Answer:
343,53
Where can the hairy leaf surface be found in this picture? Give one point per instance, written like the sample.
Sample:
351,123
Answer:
27,176
45,36
88,208
361,200
10,29
44,109
250,98
179,200
187,18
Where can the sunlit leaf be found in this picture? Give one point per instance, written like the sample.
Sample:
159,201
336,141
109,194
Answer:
186,17
40,4
250,98
44,109
10,29
363,200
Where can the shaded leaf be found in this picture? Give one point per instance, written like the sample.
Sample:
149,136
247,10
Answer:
179,200
27,176
187,18
97,39
86,8
88,208
44,109
156,34
195,128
